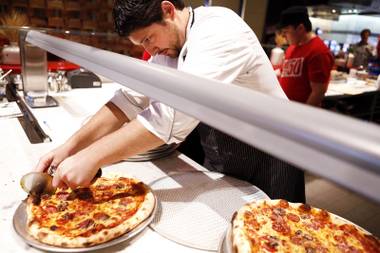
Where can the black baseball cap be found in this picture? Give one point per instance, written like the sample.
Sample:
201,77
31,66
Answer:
294,15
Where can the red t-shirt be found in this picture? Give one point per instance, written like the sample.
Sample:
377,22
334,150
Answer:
145,56
310,62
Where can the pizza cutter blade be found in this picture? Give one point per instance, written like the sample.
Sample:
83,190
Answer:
37,183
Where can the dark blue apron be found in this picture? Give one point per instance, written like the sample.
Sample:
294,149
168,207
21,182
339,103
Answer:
232,157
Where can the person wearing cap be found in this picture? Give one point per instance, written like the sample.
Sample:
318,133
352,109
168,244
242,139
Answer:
211,42
306,69
363,51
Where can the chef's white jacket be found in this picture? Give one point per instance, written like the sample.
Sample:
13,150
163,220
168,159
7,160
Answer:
219,45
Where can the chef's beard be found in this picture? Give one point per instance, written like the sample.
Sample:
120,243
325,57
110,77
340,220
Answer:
176,46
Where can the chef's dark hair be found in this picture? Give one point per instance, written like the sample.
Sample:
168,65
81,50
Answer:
130,15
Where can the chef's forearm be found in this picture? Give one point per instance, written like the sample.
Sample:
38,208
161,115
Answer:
129,140
108,119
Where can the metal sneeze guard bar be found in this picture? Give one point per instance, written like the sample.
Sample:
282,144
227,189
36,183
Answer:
339,148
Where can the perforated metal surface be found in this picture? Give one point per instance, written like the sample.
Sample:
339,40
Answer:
159,152
195,208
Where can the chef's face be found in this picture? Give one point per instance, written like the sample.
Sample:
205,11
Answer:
158,38
292,34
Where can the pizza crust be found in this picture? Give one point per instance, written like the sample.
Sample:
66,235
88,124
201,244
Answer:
45,235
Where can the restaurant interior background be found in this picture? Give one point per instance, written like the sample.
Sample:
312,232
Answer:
338,23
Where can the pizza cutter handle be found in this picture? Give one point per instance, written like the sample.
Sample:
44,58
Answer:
97,175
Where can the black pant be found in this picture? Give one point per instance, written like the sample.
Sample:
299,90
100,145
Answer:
232,157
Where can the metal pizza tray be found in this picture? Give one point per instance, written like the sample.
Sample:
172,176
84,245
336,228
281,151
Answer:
195,207
159,152
19,225
226,243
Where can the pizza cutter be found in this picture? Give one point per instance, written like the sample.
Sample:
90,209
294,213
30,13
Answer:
39,183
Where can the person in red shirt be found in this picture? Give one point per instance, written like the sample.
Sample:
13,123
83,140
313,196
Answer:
306,69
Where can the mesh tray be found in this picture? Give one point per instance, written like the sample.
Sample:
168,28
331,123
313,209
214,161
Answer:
195,208
159,152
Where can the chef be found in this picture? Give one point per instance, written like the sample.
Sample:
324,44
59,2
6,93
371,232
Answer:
212,42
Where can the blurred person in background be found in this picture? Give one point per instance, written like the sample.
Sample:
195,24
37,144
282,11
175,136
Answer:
305,73
363,51
278,53
378,48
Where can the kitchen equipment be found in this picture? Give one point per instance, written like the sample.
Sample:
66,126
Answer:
11,54
34,74
57,81
81,78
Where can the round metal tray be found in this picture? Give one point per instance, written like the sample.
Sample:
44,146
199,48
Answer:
225,244
196,207
159,152
19,225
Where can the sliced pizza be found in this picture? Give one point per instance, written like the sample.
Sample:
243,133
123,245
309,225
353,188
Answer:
280,226
85,217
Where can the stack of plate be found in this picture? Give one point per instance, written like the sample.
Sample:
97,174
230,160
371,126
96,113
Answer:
159,152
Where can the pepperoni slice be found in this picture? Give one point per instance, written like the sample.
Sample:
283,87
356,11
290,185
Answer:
281,227
293,217
101,216
51,209
304,208
298,240
283,203
86,223
68,216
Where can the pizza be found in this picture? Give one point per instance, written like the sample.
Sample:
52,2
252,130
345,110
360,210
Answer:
280,226
85,217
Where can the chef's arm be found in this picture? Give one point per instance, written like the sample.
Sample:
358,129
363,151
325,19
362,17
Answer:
317,94
108,119
131,139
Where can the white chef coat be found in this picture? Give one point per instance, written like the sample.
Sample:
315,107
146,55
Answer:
219,45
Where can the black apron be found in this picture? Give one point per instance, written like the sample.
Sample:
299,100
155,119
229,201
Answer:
232,157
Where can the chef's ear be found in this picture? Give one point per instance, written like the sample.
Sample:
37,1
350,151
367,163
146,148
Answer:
168,10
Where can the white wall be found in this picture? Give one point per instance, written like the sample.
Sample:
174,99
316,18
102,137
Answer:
348,24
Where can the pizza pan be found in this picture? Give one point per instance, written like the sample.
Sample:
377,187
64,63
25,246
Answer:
159,152
19,225
226,243
195,208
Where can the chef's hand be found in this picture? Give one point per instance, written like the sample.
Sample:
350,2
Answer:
76,170
52,159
